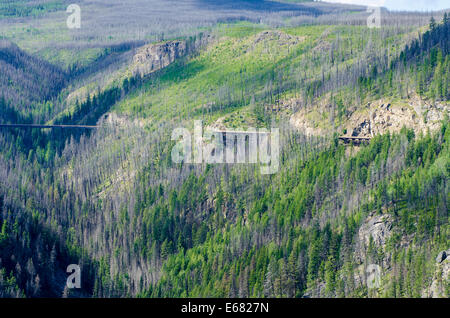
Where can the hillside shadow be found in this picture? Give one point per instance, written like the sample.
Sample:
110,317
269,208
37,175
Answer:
255,5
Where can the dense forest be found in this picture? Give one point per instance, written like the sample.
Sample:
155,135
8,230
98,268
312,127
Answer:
139,225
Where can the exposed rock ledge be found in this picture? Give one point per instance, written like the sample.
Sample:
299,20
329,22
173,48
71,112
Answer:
377,228
441,278
153,57
377,117
380,117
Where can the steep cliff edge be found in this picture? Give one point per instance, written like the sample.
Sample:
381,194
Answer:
440,285
374,118
153,57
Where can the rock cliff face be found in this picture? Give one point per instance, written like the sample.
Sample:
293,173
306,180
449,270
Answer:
374,118
374,234
376,230
153,57
440,284
381,117
374,263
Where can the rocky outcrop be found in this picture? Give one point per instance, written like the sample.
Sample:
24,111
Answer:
377,228
374,118
441,279
363,129
381,117
153,57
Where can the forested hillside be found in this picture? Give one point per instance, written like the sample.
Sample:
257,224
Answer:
26,79
140,225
